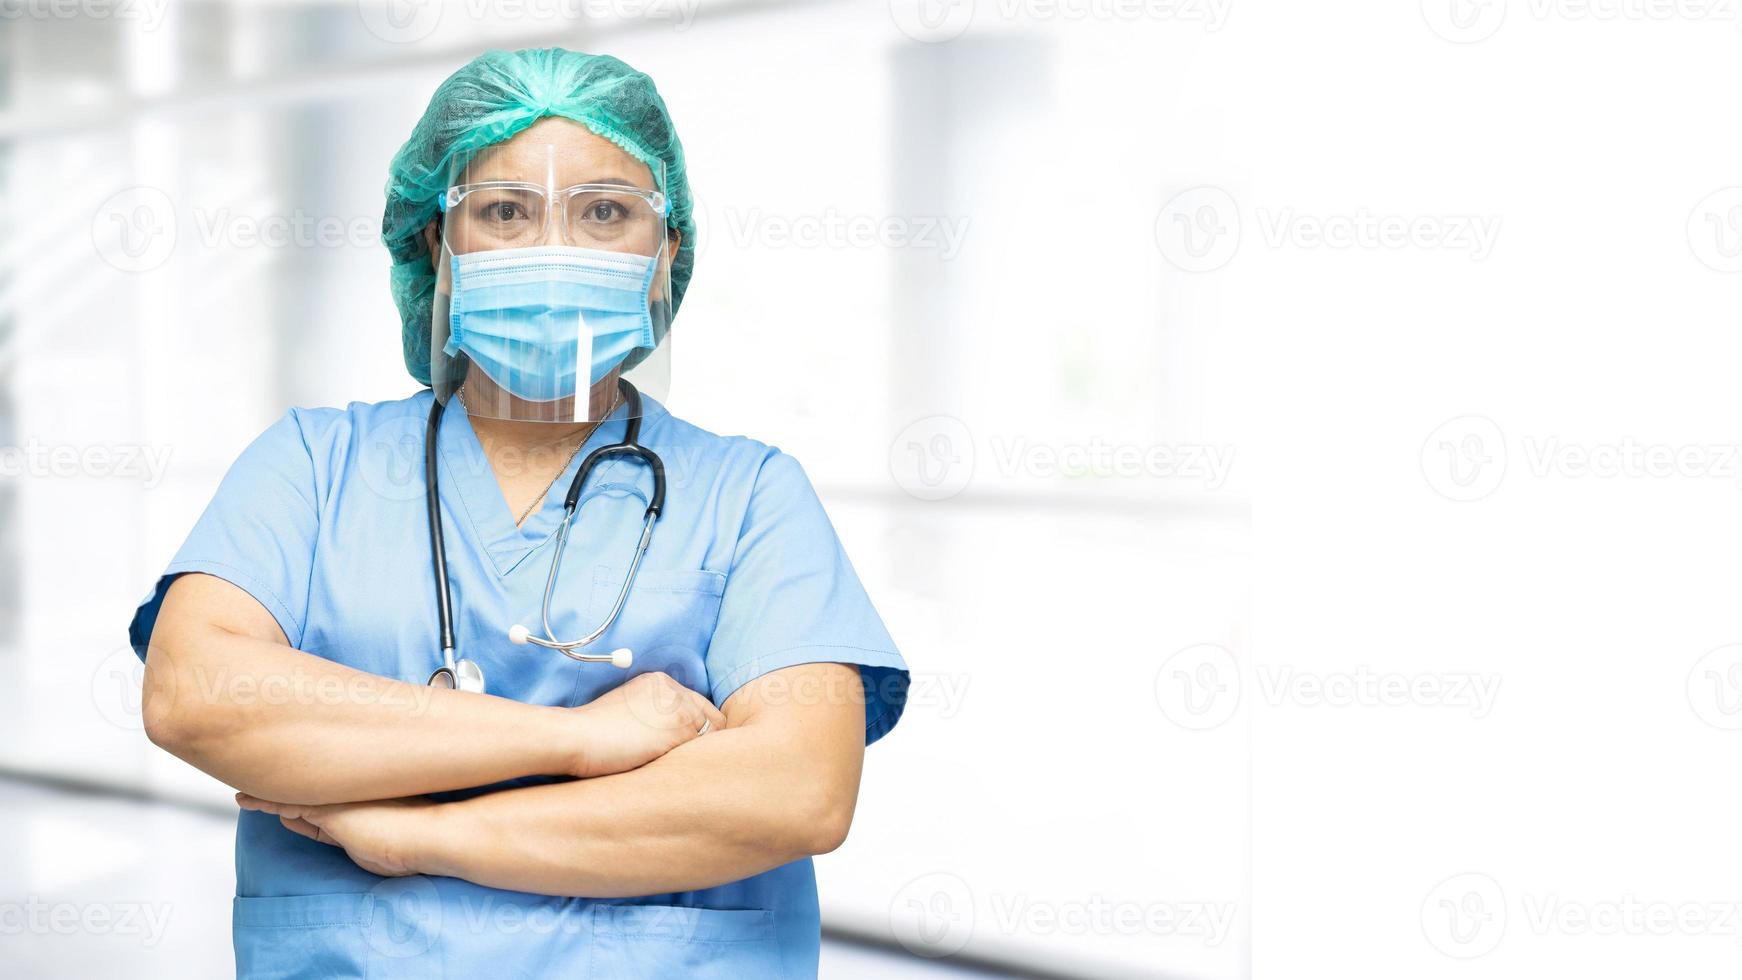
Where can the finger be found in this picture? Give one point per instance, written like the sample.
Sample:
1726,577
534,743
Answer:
304,828
247,802
710,714
295,811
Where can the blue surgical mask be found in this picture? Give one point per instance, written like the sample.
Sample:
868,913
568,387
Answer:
520,314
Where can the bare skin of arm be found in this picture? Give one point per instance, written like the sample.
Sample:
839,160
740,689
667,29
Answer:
225,692
778,784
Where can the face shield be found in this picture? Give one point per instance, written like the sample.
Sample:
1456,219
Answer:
553,281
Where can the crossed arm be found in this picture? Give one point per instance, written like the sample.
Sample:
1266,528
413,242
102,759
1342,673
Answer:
344,757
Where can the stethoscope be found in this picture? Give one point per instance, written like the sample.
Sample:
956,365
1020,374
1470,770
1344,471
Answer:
464,673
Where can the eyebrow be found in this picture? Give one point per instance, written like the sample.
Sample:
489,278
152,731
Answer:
486,178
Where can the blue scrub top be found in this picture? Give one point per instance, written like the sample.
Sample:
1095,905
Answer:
322,520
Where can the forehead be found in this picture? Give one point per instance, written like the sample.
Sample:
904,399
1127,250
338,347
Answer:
558,153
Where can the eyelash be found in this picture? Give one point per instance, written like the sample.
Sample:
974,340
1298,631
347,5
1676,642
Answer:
485,210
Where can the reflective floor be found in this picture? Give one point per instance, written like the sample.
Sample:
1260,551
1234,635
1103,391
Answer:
98,886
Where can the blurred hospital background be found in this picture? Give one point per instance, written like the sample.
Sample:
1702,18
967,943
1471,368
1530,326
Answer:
938,263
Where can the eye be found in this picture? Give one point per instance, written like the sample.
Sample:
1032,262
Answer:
603,211
500,211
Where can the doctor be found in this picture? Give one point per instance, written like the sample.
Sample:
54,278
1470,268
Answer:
552,816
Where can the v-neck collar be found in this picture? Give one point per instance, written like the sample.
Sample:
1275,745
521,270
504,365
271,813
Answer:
470,483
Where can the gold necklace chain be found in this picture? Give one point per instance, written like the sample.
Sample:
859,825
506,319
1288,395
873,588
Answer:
546,491
542,494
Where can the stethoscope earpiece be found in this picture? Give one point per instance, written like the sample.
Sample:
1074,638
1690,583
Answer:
621,658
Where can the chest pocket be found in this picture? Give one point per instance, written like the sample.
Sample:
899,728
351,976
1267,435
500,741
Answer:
667,621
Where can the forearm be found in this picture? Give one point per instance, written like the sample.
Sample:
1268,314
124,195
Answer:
286,725
715,810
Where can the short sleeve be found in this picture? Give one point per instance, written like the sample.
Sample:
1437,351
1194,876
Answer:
258,533
793,598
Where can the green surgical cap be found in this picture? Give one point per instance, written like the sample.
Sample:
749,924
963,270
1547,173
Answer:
493,97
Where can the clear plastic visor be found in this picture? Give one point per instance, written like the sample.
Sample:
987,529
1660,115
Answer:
553,281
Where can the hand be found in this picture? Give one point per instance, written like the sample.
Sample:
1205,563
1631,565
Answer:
377,835
639,721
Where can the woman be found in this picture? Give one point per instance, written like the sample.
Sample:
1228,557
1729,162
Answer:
549,817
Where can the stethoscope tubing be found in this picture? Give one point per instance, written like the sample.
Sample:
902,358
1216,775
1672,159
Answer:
630,446
438,548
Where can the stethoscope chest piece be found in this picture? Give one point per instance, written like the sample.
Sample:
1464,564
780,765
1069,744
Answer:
469,675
